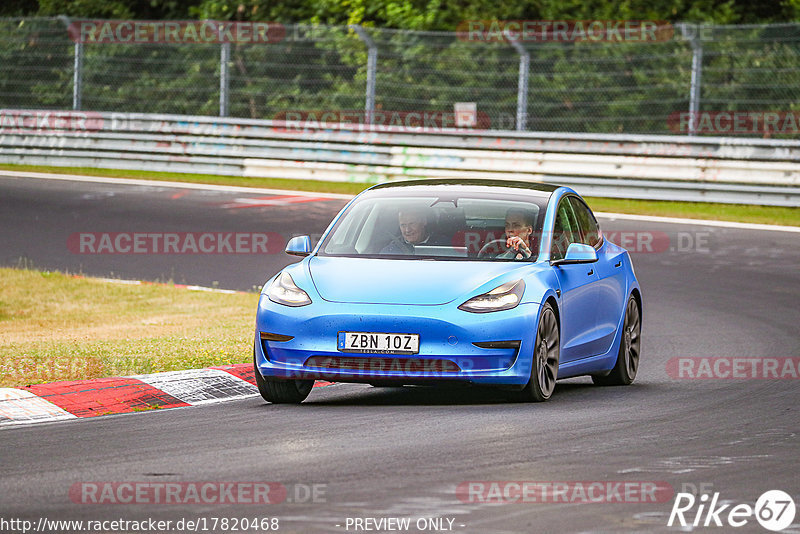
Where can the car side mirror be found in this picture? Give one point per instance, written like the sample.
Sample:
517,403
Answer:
578,253
299,246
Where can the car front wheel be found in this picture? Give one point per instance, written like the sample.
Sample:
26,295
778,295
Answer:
282,391
544,368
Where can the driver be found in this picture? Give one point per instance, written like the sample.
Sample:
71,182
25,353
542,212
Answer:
519,227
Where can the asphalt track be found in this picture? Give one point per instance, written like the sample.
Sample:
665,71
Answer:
710,292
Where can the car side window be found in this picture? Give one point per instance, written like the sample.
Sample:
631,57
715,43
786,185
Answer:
565,230
590,231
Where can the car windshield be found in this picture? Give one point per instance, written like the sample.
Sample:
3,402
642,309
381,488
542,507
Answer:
438,226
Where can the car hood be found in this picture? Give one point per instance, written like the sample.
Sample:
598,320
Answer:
383,281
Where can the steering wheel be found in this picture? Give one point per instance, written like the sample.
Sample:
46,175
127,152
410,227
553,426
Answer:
491,247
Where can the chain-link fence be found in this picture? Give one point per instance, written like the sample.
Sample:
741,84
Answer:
579,86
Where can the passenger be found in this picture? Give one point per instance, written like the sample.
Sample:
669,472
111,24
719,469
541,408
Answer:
413,232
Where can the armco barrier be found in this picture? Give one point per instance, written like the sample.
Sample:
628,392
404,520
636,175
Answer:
731,170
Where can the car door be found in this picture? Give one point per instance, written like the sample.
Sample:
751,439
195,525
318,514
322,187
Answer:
610,286
577,283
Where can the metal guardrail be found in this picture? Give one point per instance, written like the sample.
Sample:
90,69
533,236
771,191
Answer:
728,170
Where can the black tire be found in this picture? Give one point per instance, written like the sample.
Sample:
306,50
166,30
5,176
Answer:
282,391
627,365
546,353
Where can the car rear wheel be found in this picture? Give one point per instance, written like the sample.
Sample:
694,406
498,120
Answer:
624,371
282,391
544,368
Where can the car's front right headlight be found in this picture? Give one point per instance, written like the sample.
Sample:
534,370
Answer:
284,291
502,297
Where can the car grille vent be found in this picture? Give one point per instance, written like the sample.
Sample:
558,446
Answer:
405,365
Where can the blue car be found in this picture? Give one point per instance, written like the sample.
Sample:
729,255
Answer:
492,283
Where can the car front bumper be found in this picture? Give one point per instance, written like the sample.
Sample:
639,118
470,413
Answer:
446,337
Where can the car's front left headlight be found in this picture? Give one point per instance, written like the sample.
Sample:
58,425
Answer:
284,291
502,297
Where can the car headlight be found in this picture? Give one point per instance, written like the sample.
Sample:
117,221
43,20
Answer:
502,297
284,291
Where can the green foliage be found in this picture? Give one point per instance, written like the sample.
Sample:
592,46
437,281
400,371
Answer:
116,9
584,87
182,79
415,14
104,9
36,56
18,8
444,15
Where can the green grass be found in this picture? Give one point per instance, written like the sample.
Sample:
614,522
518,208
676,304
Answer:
347,188
54,326
699,210
693,210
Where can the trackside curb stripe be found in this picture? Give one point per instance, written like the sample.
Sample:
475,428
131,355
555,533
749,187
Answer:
105,396
200,386
59,401
18,406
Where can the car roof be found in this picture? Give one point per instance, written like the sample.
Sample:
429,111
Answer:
471,185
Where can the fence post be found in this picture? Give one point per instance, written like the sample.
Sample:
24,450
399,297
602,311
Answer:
77,67
522,85
692,32
224,78
372,66
77,77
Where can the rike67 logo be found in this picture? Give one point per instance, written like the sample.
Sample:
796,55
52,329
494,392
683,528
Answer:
774,510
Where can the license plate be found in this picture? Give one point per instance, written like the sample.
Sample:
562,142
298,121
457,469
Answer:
378,342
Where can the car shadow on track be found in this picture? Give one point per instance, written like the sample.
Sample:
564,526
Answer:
358,395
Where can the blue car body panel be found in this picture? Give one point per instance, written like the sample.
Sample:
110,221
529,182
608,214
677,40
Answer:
351,294
378,281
